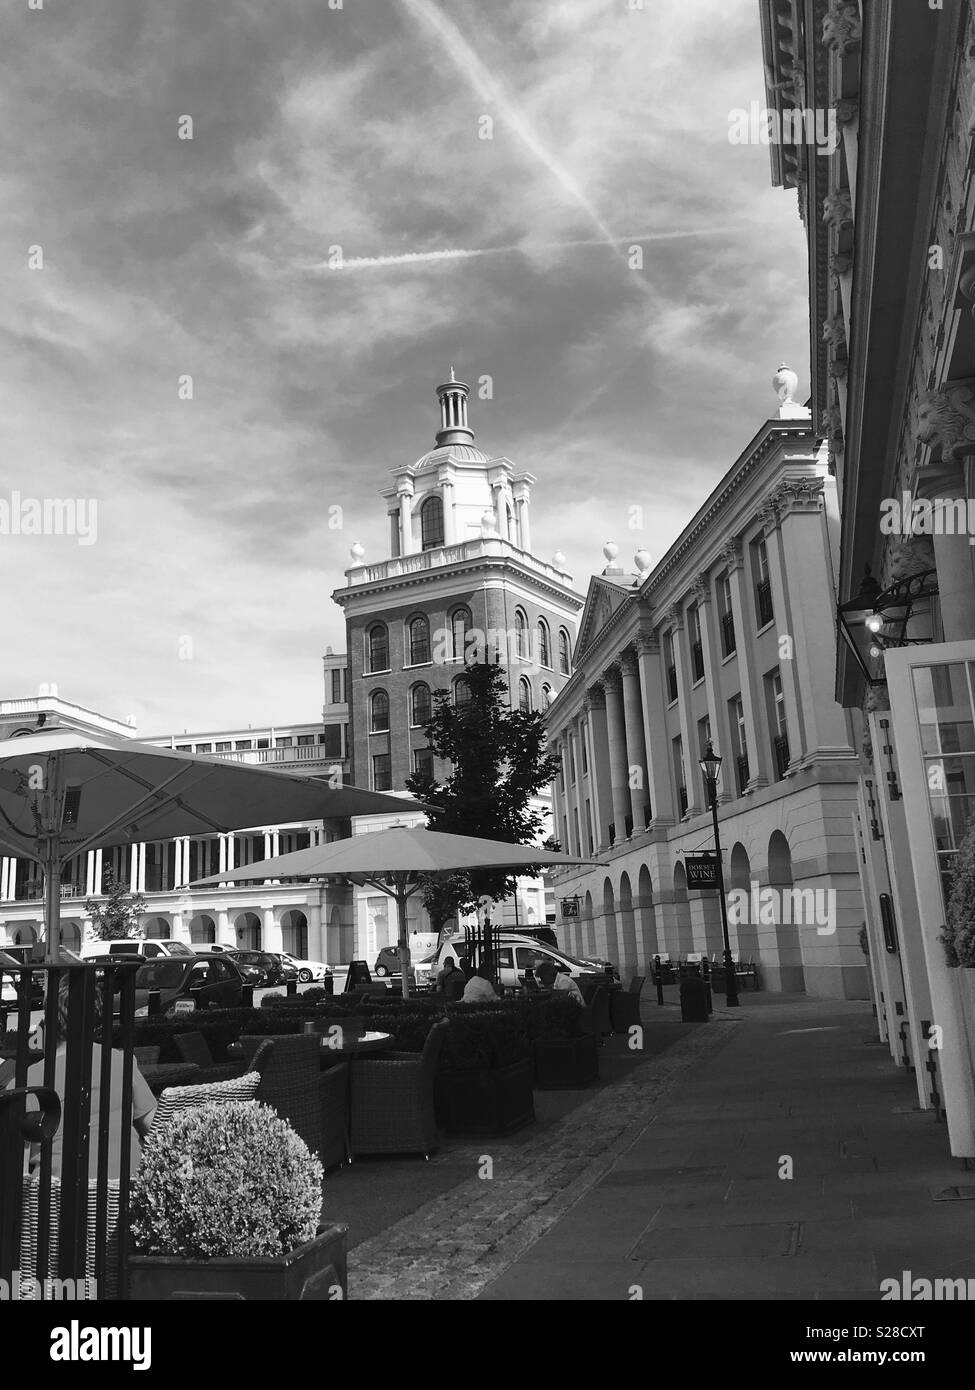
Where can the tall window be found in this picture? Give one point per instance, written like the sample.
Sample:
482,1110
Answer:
423,762
420,705
564,651
703,739
379,712
460,625
697,645
726,614
546,696
521,633
525,695
763,586
671,664
338,682
378,647
736,717
431,523
678,755
775,704
382,777
462,691
419,630
544,644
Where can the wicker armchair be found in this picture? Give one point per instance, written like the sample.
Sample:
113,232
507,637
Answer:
595,1015
194,1048
392,1100
290,1082
624,1006
334,1092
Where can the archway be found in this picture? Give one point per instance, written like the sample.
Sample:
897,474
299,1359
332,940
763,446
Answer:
71,934
628,950
682,912
23,934
610,931
788,947
247,926
203,930
741,929
648,943
154,928
590,926
294,930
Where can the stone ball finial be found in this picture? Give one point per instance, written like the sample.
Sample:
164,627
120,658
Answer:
643,560
610,551
357,552
489,523
559,560
785,383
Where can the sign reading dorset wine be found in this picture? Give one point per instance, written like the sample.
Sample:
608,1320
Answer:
702,870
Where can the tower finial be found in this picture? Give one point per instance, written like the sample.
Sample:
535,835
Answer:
454,428
452,377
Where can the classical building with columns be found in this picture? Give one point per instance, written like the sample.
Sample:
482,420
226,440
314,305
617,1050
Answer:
730,638
889,217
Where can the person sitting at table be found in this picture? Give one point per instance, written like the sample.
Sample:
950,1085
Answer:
450,981
143,1101
479,986
556,979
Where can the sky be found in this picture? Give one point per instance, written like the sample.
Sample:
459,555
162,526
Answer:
181,355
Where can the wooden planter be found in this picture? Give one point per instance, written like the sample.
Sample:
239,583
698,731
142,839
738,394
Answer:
565,1062
316,1271
488,1102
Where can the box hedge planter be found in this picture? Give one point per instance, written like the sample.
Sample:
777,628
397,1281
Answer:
484,1083
226,1204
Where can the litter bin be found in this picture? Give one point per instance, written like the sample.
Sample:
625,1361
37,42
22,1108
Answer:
329,984
693,1000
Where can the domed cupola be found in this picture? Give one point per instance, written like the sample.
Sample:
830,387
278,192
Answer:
454,428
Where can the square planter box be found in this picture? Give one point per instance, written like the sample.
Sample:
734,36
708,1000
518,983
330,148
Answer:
489,1102
565,1062
312,1272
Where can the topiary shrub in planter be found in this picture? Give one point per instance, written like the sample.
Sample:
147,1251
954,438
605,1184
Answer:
226,1203
564,1056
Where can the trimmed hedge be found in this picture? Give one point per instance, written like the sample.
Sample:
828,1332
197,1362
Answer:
223,1026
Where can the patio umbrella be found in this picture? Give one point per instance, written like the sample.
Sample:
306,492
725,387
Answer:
65,792
393,860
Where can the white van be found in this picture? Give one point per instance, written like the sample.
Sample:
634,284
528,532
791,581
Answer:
517,954
135,946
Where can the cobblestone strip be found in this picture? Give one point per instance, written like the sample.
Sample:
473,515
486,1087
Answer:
453,1246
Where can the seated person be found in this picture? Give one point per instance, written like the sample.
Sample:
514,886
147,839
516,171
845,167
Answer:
143,1101
556,979
451,982
479,986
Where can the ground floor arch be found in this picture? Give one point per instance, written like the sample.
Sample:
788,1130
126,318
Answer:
294,932
203,930
247,928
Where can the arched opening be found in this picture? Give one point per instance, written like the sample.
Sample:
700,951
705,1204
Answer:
335,952
610,931
431,523
565,650
521,633
590,925
379,712
741,928
421,706
788,947
628,950
378,644
648,943
23,934
203,930
70,934
461,625
294,933
157,927
419,641
247,926
682,913
525,695
544,644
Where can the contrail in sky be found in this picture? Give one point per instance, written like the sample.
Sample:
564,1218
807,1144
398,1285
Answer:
470,253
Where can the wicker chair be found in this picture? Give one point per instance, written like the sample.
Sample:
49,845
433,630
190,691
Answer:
30,1228
290,1083
624,1006
334,1092
392,1100
146,1056
177,1098
193,1047
595,1015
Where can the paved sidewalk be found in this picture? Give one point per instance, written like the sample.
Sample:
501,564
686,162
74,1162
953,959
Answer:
667,1185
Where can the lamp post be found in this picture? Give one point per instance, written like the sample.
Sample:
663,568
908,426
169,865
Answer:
710,765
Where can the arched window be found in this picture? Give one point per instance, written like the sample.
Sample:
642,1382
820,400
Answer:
544,644
379,712
525,695
521,633
563,651
420,705
460,624
431,523
419,630
546,696
462,691
378,648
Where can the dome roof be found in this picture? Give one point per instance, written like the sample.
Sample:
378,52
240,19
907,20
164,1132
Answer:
460,453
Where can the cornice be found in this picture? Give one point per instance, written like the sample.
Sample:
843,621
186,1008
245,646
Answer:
424,579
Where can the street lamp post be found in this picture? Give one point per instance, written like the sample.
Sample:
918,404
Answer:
710,765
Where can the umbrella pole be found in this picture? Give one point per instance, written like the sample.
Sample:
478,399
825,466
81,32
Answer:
52,902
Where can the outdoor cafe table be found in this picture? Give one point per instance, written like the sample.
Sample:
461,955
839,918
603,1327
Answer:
353,1045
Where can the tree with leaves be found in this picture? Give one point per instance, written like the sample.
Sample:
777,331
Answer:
117,917
498,764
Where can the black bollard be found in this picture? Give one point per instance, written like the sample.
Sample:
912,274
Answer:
247,996
658,979
706,977
291,987
693,1000
329,984
154,1003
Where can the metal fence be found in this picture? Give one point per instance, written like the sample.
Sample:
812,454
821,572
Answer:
66,1126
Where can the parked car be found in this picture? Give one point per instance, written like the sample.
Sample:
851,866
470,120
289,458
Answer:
149,947
517,953
387,962
216,977
270,966
308,970
287,965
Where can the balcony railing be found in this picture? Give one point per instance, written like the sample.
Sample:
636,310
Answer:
741,772
439,556
697,660
728,644
302,753
780,746
763,601
672,683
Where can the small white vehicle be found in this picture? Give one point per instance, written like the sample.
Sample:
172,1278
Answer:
308,970
517,954
150,947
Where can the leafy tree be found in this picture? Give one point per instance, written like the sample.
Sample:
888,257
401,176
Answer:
118,916
498,763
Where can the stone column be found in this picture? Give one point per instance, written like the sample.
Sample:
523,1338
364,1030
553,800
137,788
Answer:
599,773
692,780
98,873
223,854
785,626
501,510
133,868
653,698
636,751
521,511
271,934
404,491
89,874
742,608
616,732
316,939
225,932
141,882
